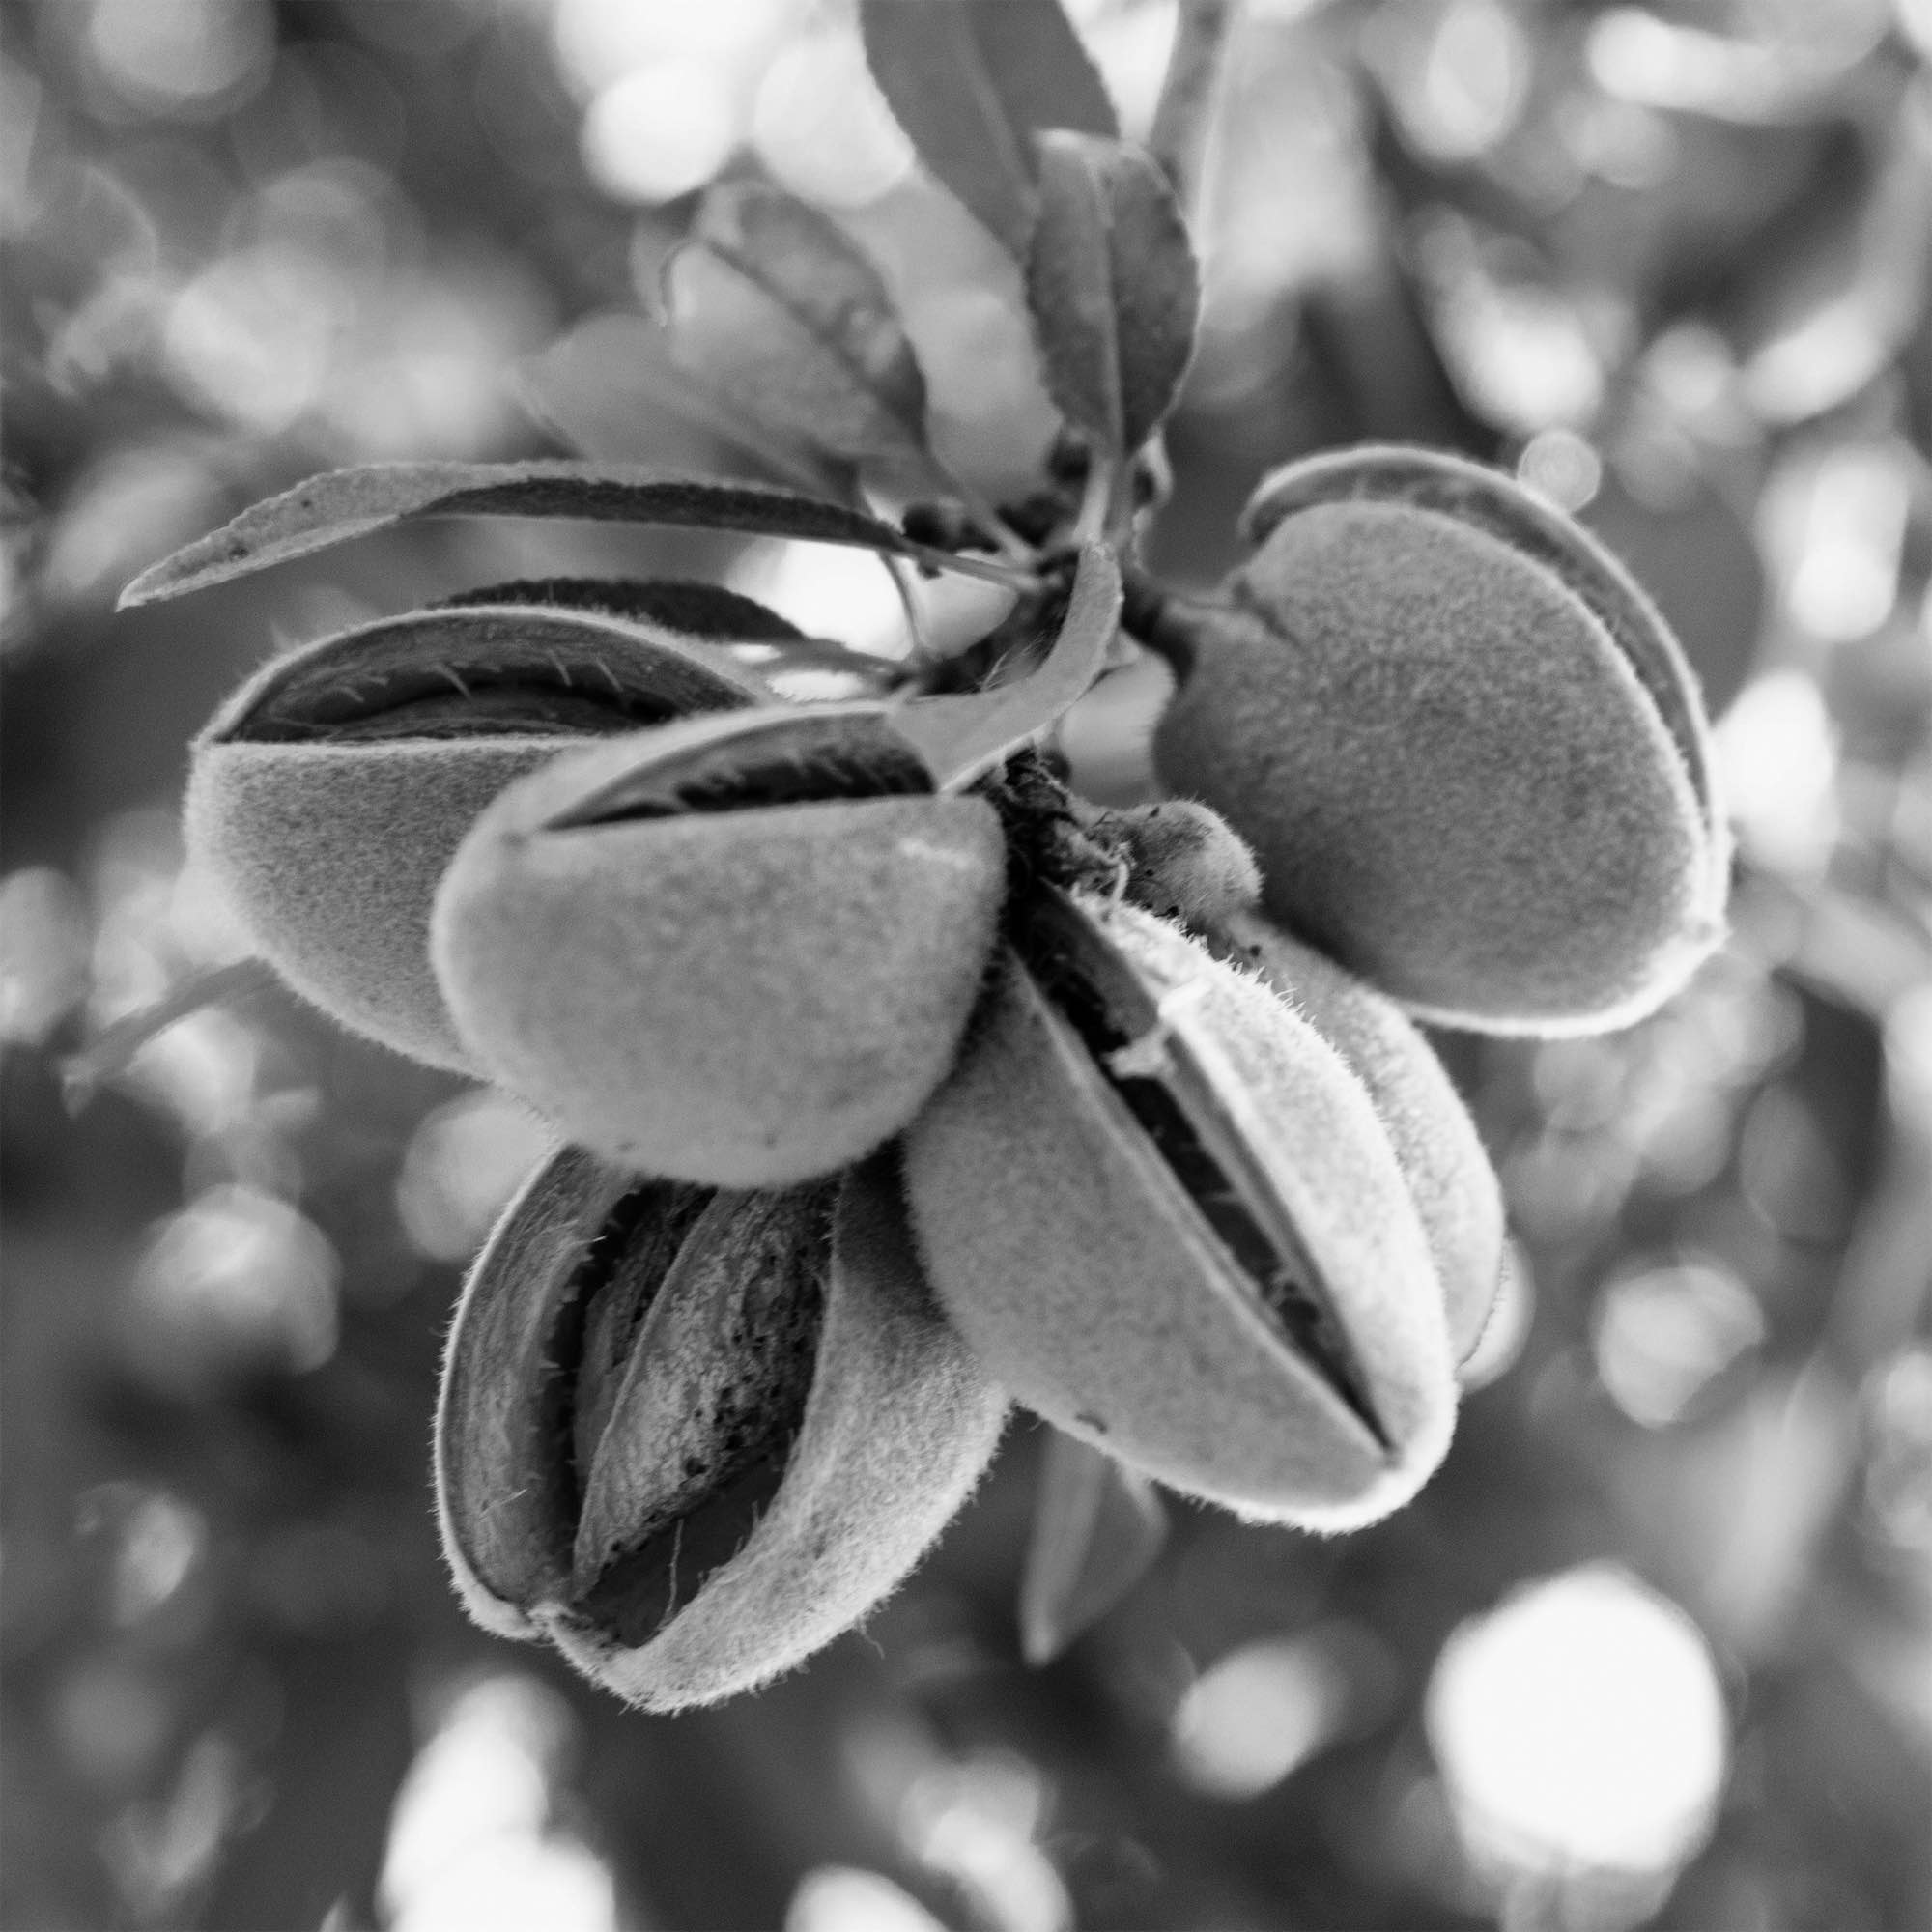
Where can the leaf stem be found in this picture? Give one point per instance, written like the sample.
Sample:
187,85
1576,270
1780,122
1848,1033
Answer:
920,647
1005,575
1178,137
1097,498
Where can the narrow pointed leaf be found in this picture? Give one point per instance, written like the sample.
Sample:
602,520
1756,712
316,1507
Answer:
971,81
774,303
112,1050
609,391
1113,286
346,504
1098,1530
963,737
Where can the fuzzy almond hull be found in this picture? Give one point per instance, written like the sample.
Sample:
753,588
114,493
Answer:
1455,782
748,999
1079,1272
899,1426
330,856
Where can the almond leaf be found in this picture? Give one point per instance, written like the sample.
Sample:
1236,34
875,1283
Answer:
1113,286
971,81
961,737
344,504
1098,1530
773,303
609,391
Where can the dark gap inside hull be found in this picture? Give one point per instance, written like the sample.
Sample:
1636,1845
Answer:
730,778
502,702
642,1591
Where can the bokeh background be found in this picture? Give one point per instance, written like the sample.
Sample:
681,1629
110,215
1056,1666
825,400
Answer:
1653,1648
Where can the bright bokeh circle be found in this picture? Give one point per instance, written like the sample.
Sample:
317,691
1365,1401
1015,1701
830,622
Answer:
1580,1727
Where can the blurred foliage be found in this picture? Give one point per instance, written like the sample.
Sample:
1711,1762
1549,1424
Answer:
1670,263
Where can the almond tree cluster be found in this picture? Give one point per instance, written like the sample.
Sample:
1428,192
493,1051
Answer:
893,1081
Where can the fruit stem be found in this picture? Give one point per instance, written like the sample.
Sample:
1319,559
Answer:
1153,616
